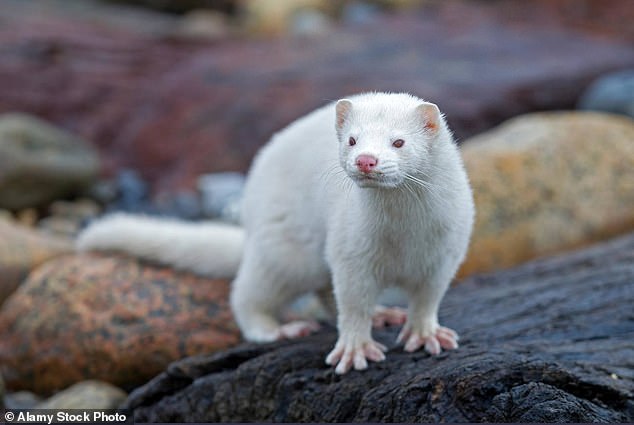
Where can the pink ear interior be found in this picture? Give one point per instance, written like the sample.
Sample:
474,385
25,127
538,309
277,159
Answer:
430,116
344,106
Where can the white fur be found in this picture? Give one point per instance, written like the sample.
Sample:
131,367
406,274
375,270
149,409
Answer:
312,219
184,245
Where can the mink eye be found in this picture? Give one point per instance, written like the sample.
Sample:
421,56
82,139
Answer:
398,143
352,141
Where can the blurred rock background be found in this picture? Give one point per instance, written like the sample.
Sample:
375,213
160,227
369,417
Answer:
158,106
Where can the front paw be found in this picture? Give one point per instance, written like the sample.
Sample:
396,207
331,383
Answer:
349,352
388,316
440,337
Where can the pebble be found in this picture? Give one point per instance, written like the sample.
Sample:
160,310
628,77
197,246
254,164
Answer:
27,217
6,215
611,93
86,395
184,205
132,191
359,13
203,24
221,194
41,162
309,23
21,400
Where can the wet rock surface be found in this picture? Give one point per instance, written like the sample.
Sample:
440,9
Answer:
108,318
550,341
174,109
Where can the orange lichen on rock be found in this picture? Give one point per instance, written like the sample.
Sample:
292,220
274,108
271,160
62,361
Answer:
549,182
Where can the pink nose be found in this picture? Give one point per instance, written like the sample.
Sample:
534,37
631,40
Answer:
366,163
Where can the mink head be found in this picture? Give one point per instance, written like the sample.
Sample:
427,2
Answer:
386,140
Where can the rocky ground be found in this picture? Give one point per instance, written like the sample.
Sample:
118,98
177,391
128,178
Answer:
140,111
550,341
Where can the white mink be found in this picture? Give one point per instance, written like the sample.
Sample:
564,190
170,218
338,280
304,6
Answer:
362,194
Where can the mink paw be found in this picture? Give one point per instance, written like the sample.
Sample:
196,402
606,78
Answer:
443,337
296,329
388,316
347,355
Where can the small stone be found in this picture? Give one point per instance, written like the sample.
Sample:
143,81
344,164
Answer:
611,93
104,191
21,250
220,194
80,209
21,400
203,25
132,191
59,226
27,217
6,215
40,163
360,13
184,204
310,23
275,16
86,395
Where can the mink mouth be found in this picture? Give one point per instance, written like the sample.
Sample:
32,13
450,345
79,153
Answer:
375,180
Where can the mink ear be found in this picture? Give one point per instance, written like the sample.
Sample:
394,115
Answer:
344,106
429,116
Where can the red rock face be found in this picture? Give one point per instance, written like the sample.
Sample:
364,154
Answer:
108,318
174,109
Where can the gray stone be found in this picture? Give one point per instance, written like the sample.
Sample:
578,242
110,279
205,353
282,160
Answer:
21,400
132,191
221,194
86,395
611,93
360,13
184,204
310,23
40,163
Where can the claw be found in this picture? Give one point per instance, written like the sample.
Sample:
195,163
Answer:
444,338
347,356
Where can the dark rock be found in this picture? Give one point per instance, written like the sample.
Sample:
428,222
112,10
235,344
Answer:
611,93
550,341
174,110
108,318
